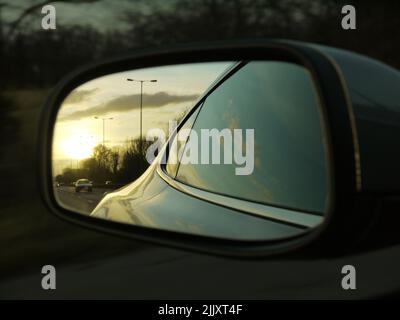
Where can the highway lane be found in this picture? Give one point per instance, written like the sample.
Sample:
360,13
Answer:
82,201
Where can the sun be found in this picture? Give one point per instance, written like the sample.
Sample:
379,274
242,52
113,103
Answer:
78,147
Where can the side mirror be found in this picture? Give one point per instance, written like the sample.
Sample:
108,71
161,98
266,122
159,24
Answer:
243,149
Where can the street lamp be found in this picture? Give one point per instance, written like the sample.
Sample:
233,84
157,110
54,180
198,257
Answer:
104,120
141,101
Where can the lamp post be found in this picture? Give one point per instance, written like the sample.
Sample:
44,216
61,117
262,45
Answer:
141,105
104,120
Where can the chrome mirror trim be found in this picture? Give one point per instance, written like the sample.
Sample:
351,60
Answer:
300,219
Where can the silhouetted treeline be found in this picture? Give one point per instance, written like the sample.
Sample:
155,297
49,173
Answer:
40,58
118,165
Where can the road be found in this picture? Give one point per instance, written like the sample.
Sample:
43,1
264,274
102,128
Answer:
82,201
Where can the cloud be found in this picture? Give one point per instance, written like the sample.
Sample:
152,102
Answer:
128,103
77,96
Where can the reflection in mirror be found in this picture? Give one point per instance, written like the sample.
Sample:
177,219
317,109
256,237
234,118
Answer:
99,138
248,160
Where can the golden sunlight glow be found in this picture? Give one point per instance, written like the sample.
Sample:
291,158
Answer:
78,147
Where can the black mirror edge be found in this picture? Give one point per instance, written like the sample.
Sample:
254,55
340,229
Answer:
332,238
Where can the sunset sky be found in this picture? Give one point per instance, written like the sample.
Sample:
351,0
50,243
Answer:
112,96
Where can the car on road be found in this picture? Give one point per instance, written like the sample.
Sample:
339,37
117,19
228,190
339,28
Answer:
83,184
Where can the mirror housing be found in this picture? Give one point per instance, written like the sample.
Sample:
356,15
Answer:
351,213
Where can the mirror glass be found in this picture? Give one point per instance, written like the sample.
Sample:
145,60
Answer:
231,149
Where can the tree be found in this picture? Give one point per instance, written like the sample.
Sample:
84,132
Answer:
115,156
122,165
133,162
102,155
90,165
